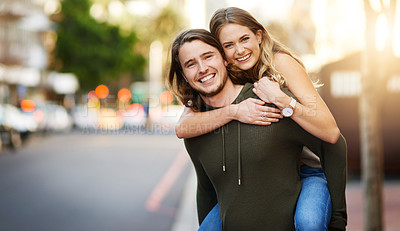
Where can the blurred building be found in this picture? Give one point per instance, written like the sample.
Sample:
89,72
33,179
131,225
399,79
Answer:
26,40
23,56
341,90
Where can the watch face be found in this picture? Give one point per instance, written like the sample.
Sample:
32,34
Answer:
287,111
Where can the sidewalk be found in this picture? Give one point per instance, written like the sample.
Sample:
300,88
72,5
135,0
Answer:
391,205
186,220
187,215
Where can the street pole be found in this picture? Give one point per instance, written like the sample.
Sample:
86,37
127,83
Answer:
372,83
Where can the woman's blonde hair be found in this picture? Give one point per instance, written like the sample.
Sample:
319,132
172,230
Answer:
268,47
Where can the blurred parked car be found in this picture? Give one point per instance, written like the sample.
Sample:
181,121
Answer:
84,117
54,118
14,125
134,116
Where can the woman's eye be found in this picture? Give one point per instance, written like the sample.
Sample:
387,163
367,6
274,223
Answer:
228,46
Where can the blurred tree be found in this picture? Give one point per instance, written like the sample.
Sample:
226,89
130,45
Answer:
164,28
95,52
373,83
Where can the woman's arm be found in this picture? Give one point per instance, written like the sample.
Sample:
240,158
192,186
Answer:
250,111
311,112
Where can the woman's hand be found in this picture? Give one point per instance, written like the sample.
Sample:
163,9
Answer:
268,90
252,111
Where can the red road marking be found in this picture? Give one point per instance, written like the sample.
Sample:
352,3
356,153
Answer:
154,201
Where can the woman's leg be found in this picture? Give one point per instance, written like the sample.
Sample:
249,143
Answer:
314,206
212,222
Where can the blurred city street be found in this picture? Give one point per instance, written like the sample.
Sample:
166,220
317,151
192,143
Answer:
121,182
81,182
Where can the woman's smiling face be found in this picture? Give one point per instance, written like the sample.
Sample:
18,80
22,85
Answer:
241,45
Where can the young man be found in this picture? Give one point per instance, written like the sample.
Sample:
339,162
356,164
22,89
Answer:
250,171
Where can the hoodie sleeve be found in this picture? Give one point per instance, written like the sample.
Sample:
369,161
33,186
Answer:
206,196
333,160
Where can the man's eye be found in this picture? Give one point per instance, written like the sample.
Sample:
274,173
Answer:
208,56
245,39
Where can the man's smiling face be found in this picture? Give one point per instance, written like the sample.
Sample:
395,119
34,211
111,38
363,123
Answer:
203,67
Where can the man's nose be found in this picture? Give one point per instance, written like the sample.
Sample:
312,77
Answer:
203,67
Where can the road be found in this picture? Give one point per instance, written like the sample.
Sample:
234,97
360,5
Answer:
85,182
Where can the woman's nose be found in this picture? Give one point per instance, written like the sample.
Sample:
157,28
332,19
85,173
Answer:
239,49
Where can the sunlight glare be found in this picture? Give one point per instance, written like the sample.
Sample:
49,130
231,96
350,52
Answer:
382,32
386,4
376,5
396,32
196,12
318,12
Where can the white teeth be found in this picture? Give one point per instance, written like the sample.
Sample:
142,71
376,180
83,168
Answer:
207,78
244,58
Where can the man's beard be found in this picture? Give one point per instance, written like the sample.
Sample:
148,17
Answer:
216,91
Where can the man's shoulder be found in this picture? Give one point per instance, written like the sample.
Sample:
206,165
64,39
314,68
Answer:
246,92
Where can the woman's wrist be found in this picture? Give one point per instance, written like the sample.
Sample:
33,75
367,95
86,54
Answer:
232,111
282,101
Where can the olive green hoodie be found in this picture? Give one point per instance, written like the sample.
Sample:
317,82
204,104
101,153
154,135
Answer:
253,172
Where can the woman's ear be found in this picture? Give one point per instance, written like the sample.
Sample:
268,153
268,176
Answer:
259,36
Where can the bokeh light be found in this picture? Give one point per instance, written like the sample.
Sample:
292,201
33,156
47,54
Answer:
102,91
28,105
92,95
135,108
124,95
166,97
38,116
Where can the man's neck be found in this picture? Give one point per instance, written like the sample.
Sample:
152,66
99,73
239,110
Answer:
227,95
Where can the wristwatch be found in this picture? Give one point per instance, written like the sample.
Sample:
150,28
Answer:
288,111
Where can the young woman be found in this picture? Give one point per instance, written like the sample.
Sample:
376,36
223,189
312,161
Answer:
256,57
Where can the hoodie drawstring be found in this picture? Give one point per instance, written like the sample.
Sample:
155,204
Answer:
239,154
239,157
223,150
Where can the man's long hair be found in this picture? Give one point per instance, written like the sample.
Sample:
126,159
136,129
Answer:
176,79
